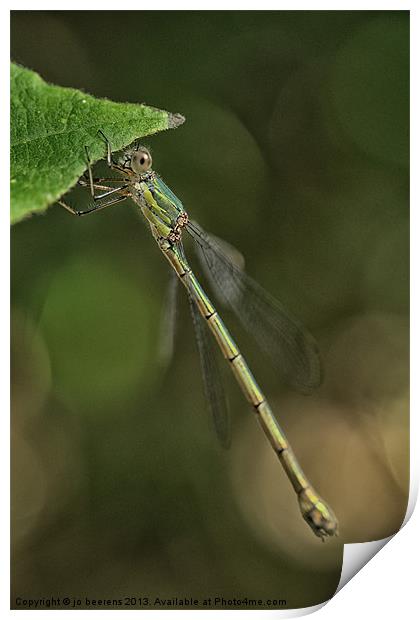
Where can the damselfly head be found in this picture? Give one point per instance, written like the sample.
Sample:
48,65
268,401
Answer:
141,160
138,159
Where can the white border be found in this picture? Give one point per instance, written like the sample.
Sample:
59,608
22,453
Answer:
219,5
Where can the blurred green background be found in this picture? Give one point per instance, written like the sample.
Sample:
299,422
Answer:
295,150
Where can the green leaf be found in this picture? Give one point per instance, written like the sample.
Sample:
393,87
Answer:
50,127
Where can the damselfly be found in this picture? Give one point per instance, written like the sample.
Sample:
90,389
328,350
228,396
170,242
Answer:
292,349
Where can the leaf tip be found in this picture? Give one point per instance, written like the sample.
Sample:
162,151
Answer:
175,120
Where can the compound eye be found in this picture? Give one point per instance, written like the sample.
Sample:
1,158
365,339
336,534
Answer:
141,161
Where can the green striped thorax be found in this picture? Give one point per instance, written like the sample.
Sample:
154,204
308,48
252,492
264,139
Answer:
158,203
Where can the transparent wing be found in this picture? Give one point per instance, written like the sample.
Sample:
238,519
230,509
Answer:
288,344
168,322
213,388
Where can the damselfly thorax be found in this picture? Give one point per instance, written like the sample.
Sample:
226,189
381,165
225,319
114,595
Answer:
163,211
